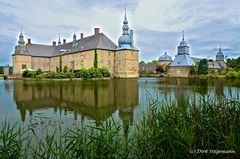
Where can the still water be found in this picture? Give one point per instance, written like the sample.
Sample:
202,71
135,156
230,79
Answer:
93,101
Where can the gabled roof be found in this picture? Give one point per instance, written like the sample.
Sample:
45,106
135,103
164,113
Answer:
182,60
99,41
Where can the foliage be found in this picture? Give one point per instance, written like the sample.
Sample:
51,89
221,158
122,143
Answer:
165,131
95,59
234,64
153,62
194,70
1,70
105,72
65,69
82,73
203,67
160,69
142,62
233,74
39,71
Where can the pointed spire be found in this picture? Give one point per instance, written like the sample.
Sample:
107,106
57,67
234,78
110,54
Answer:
21,38
125,18
220,48
183,35
59,39
74,37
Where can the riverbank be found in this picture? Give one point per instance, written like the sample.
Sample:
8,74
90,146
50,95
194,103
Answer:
209,128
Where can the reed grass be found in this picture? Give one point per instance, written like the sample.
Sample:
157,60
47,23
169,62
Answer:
165,131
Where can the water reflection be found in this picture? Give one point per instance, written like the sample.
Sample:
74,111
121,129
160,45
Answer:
97,100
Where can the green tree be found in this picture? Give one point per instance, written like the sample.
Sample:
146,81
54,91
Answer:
1,70
95,59
153,62
142,62
234,64
160,69
203,67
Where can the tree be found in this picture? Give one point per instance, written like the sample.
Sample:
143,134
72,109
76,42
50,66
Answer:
160,69
203,67
1,70
153,62
95,59
234,64
142,62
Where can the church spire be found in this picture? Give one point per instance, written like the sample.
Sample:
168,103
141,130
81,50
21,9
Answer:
220,48
21,38
59,40
125,24
74,37
183,35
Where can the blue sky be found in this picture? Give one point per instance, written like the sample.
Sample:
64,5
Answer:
157,24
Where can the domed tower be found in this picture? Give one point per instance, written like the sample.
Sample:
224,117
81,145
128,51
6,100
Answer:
181,65
220,59
126,55
220,56
21,59
164,61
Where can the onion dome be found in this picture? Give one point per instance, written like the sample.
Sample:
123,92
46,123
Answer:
125,39
165,57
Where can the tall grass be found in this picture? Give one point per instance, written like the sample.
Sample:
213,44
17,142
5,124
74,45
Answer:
165,131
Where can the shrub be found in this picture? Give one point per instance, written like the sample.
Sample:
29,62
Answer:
105,72
95,73
39,71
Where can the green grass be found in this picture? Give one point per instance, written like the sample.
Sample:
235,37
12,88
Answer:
165,131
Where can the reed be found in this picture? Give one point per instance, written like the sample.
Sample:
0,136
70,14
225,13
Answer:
165,131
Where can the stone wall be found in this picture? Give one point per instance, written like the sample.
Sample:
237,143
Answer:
164,64
183,71
19,61
122,64
126,64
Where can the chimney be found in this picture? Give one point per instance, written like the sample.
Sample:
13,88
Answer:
54,43
64,41
29,41
96,31
81,35
131,36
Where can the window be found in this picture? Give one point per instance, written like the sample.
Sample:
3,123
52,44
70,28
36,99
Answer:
24,66
109,53
109,62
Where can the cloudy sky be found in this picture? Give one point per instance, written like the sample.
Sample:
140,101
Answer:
157,24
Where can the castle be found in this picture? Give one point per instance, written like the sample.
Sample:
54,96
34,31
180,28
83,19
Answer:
121,60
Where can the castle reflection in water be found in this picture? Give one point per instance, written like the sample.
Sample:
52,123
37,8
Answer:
97,100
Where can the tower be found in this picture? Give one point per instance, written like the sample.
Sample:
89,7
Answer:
126,55
21,54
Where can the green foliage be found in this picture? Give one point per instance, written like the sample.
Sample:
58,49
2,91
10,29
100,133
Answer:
203,67
233,74
39,71
160,69
234,64
194,70
95,59
1,70
165,131
105,72
82,73
65,69
153,62
142,62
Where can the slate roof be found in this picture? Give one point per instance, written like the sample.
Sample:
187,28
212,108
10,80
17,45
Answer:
40,50
182,60
99,41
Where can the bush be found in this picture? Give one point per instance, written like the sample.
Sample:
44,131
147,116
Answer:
95,73
233,74
105,72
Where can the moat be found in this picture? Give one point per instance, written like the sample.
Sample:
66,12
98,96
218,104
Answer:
93,101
